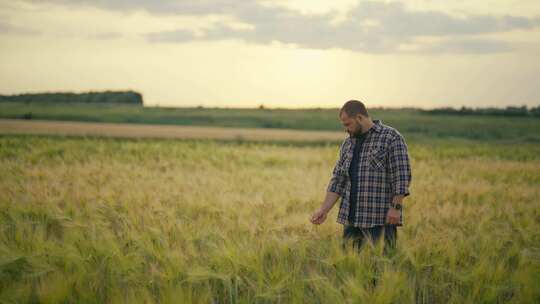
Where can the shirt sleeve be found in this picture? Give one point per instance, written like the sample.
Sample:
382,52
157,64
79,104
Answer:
400,167
338,180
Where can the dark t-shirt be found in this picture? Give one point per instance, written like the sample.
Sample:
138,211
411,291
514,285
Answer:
353,173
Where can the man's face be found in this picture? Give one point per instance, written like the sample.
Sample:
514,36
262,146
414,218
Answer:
352,125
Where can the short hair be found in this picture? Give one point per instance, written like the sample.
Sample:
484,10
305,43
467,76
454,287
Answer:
353,108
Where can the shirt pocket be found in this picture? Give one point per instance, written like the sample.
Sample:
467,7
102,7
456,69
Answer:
377,159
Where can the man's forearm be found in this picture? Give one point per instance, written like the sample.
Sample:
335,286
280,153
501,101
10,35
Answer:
329,201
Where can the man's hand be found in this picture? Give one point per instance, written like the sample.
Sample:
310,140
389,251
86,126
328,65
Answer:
318,217
392,217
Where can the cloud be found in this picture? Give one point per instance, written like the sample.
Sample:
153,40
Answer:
166,7
467,45
395,20
7,28
372,27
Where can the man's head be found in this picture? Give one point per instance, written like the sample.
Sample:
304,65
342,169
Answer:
355,117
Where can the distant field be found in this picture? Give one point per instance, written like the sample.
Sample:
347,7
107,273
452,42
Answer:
108,220
17,126
412,123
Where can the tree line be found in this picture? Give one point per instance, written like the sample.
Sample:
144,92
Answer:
115,97
507,111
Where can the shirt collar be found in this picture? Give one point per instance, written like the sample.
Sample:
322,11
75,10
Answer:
377,125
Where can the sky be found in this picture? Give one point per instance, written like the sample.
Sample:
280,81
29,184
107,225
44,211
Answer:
279,53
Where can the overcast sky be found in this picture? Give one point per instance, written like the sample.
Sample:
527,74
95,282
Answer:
280,53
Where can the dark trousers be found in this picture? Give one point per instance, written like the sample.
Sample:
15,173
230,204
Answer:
357,236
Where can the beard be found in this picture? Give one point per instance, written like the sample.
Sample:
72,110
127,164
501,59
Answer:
357,132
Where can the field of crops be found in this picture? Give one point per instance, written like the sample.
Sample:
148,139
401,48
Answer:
413,123
110,220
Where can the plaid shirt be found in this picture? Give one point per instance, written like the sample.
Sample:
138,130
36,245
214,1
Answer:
383,172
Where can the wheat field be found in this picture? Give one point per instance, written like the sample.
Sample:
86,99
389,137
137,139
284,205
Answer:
109,220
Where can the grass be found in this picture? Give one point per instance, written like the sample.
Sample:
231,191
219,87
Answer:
412,123
108,220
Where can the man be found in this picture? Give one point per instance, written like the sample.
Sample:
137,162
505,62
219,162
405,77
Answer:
372,176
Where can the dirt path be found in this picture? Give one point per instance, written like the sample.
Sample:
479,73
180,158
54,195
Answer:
18,126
